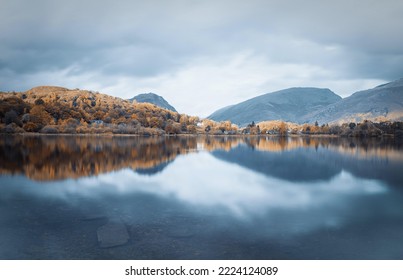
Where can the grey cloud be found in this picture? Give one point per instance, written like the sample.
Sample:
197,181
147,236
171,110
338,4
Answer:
150,38
119,41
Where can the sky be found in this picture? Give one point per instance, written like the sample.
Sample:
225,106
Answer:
200,55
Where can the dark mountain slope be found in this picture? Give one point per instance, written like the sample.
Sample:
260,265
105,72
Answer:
384,102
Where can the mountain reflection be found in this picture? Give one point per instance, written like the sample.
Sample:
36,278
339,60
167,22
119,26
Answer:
46,158
315,159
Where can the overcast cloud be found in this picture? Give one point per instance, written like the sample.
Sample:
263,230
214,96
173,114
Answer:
200,55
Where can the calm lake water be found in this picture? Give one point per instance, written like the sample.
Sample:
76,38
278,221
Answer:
72,197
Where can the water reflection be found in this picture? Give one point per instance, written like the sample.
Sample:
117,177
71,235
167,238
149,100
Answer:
197,198
57,157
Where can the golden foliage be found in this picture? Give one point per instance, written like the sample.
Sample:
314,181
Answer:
82,111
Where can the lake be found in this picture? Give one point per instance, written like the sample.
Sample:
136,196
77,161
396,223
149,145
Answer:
104,197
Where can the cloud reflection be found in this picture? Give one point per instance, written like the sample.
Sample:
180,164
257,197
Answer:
202,181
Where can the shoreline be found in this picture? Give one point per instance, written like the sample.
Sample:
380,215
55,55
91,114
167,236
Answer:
32,134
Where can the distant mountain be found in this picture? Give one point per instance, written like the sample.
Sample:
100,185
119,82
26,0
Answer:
288,105
384,102
153,99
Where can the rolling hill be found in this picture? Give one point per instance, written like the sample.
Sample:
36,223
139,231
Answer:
308,105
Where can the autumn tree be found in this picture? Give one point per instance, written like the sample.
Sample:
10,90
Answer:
325,129
12,117
39,116
306,128
283,129
191,129
155,122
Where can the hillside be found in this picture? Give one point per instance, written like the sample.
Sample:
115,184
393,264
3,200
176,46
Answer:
384,102
49,109
153,99
289,105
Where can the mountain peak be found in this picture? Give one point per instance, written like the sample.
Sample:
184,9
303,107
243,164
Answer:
153,99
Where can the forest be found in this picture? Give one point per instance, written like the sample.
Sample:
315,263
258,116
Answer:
53,110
